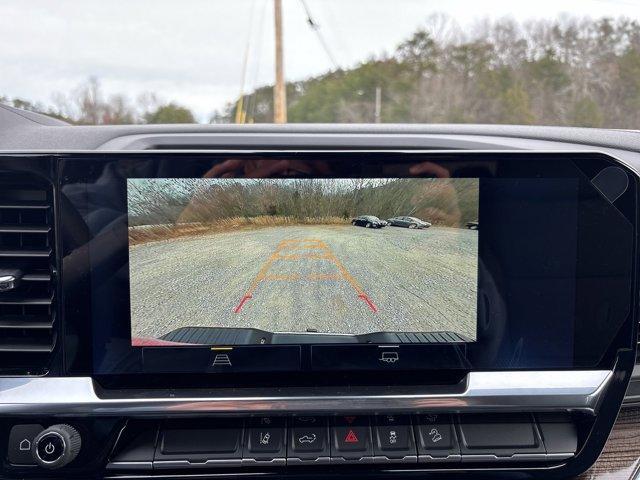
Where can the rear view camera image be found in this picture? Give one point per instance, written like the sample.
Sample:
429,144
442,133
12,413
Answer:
243,261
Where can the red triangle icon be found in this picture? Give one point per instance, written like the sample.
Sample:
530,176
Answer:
351,437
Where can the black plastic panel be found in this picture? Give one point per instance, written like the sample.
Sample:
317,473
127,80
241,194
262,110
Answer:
443,441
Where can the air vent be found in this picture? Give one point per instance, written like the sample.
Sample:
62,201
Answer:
27,272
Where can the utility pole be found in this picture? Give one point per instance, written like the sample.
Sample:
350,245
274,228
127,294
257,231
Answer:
279,90
378,106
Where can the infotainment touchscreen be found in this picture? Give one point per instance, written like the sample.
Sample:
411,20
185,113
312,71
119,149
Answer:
282,266
249,257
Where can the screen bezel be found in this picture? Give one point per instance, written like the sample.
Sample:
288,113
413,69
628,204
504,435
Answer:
534,164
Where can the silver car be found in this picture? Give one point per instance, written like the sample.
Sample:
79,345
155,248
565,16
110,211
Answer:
408,222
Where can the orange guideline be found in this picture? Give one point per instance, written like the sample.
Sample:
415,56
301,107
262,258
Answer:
320,251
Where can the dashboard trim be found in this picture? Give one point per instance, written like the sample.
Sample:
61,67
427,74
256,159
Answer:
224,148
482,391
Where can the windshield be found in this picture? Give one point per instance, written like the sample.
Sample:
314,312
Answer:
572,63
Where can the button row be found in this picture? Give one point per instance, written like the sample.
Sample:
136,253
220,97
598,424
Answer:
303,440
315,440
283,358
351,439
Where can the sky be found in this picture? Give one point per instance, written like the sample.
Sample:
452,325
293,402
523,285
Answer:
192,51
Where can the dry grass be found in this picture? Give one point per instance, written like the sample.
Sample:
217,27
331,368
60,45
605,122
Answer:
156,233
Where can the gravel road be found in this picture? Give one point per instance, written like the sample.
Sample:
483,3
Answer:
338,279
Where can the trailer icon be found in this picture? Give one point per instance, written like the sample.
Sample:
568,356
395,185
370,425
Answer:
389,357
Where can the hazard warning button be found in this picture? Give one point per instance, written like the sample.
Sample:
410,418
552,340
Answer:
351,437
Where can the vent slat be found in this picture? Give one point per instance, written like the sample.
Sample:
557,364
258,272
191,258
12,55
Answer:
20,323
36,277
26,205
27,347
45,253
27,320
8,299
24,228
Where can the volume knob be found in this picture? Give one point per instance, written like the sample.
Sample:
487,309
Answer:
56,446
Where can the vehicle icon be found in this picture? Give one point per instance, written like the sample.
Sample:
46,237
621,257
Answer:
265,438
307,438
389,357
307,419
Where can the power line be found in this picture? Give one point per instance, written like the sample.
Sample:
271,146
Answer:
316,28
331,19
240,111
252,101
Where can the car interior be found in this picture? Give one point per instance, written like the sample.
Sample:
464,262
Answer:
414,258
540,386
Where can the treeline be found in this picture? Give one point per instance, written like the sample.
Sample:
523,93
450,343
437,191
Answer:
570,71
446,202
88,105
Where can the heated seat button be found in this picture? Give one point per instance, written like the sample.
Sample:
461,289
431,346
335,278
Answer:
436,438
308,440
393,439
351,440
20,442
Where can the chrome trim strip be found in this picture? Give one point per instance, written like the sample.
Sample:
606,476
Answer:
482,391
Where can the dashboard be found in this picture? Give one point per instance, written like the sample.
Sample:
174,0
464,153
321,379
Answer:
385,302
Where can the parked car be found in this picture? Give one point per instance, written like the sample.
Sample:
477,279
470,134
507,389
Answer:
473,225
368,221
408,222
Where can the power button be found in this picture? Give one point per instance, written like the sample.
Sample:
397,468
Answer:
50,447
56,446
